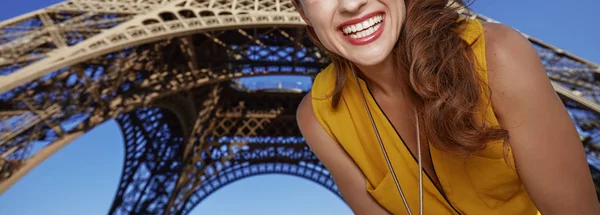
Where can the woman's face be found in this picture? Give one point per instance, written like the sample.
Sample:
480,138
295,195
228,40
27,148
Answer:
362,31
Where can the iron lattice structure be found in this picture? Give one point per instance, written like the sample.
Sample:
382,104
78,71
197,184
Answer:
167,71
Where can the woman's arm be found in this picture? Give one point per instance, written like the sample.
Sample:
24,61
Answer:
346,175
548,153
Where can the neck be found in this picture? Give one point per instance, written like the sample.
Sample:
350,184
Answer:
382,77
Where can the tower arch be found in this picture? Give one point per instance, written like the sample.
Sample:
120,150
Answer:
69,67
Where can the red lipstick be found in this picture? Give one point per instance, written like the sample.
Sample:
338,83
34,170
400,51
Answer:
367,39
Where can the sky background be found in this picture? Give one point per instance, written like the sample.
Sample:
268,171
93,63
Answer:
82,178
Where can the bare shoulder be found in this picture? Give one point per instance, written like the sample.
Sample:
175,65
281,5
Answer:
506,47
515,71
305,115
308,124
315,135
501,34
494,30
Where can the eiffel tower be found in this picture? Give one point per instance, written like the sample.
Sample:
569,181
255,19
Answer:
171,73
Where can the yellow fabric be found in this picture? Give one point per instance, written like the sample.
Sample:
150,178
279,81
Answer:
479,184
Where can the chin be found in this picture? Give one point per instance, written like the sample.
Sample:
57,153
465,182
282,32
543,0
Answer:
373,54
368,60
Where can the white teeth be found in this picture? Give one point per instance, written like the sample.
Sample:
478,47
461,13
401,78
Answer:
366,32
364,28
366,24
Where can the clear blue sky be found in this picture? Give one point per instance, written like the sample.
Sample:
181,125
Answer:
82,178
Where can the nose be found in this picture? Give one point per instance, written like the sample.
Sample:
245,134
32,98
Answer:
351,6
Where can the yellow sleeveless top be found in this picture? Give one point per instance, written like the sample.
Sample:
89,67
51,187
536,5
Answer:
480,184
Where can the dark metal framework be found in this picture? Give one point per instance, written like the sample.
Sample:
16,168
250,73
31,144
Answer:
244,135
167,71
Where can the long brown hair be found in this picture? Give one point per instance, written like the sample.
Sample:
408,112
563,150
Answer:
442,78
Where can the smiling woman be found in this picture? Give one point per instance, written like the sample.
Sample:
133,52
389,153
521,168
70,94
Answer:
406,72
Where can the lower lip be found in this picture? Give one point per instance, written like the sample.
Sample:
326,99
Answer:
368,39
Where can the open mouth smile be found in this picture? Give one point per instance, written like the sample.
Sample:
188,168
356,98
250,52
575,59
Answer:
363,30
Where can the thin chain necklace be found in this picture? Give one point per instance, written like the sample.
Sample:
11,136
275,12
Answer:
387,159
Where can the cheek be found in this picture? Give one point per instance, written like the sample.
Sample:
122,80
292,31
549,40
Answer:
325,37
400,18
401,9
323,31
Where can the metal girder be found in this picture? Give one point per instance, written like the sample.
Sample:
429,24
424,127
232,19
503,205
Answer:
153,150
110,6
173,174
102,88
315,173
177,18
